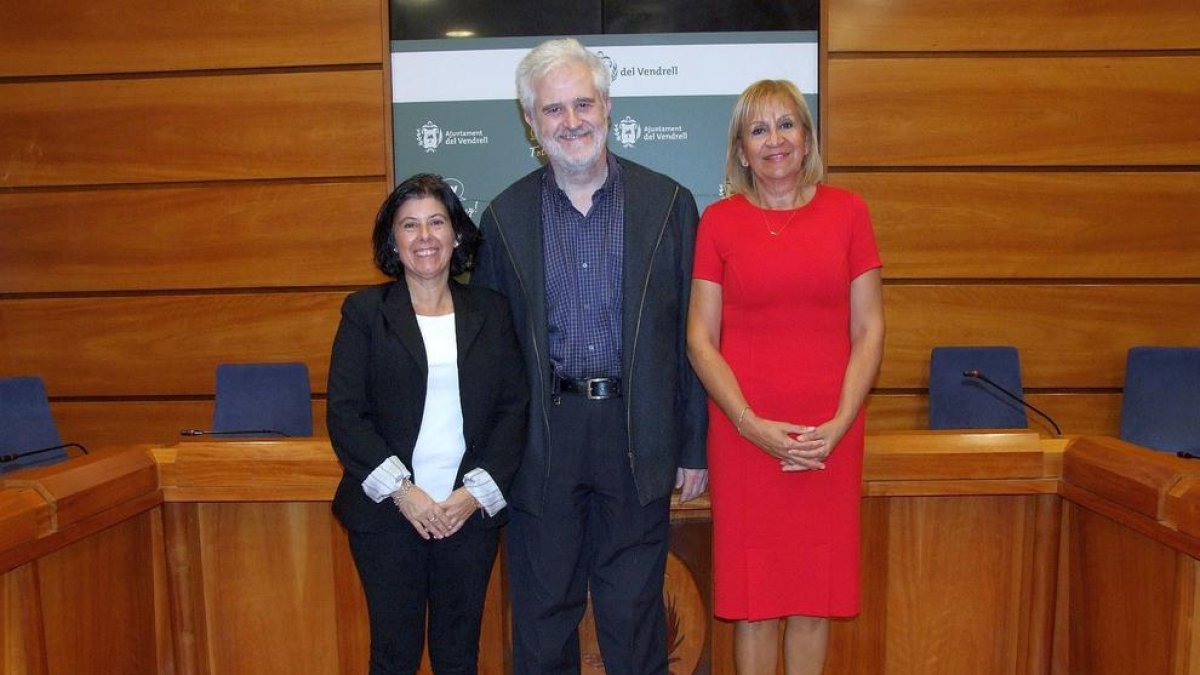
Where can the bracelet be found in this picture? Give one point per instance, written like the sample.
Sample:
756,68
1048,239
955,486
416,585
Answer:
738,425
401,491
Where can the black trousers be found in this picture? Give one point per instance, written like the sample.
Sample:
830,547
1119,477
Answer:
593,533
403,575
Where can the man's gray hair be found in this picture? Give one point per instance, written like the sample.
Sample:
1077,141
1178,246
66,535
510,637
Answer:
550,55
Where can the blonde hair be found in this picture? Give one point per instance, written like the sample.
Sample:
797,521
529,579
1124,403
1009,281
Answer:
756,97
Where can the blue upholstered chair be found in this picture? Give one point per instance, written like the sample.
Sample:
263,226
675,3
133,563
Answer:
271,399
958,401
1160,408
26,424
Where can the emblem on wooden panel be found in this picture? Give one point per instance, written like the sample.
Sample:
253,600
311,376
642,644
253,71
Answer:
687,623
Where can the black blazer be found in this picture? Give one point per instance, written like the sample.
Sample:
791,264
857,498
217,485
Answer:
664,401
377,381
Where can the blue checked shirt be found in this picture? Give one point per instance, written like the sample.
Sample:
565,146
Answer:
584,265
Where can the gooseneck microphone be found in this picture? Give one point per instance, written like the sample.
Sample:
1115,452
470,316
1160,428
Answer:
5,459
978,375
243,432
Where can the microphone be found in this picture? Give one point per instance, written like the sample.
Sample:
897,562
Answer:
977,375
1184,454
244,432
5,459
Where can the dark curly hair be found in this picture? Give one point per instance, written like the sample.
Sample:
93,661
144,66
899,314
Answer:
466,234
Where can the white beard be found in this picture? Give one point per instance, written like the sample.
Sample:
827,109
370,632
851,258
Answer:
574,162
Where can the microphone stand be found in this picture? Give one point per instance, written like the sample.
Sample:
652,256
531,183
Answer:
5,459
977,375
246,432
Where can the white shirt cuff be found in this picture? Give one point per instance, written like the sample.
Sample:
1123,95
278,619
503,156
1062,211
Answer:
384,480
481,486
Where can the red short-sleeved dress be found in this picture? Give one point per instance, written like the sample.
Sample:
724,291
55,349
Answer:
785,543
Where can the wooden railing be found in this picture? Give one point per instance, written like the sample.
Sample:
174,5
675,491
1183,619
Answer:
982,553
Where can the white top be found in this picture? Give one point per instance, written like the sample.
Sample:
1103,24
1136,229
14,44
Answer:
440,444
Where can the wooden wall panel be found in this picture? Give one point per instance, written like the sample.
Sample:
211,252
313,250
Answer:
983,25
1076,413
108,581
278,551
22,638
971,623
859,645
353,626
1049,111
213,236
1040,597
181,536
975,224
162,345
1069,335
115,423
221,127
1123,595
76,36
164,637
1186,657
1030,171
284,569
161,156
954,575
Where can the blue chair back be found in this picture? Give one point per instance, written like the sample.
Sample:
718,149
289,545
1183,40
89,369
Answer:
960,402
26,423
1160,408
263,396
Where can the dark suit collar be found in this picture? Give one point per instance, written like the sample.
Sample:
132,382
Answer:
468,318
647,208
401,319
645,215
519,226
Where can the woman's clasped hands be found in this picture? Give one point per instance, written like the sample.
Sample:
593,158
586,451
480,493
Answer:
433,519
797,447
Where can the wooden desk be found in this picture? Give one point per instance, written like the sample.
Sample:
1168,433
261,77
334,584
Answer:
82,585
1131,543
208,558
960,536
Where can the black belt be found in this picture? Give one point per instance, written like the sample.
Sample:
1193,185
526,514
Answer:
595,388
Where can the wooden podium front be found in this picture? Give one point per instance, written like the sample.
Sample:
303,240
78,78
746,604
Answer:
208,558
1129,578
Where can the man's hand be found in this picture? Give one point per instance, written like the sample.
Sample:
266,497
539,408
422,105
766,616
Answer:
691,483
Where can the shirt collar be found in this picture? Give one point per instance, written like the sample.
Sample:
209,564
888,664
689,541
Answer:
614,171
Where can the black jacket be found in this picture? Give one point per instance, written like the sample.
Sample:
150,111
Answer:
664,401
377,383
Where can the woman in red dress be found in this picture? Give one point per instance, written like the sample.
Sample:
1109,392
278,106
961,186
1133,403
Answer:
785,329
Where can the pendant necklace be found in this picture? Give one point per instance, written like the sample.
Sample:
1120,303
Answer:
767,222
774,232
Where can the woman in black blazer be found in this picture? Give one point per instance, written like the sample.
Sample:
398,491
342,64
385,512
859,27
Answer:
427,412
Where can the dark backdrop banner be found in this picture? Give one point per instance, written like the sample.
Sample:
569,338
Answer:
455,111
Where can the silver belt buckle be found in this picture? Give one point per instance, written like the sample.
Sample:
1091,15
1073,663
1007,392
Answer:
592,387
